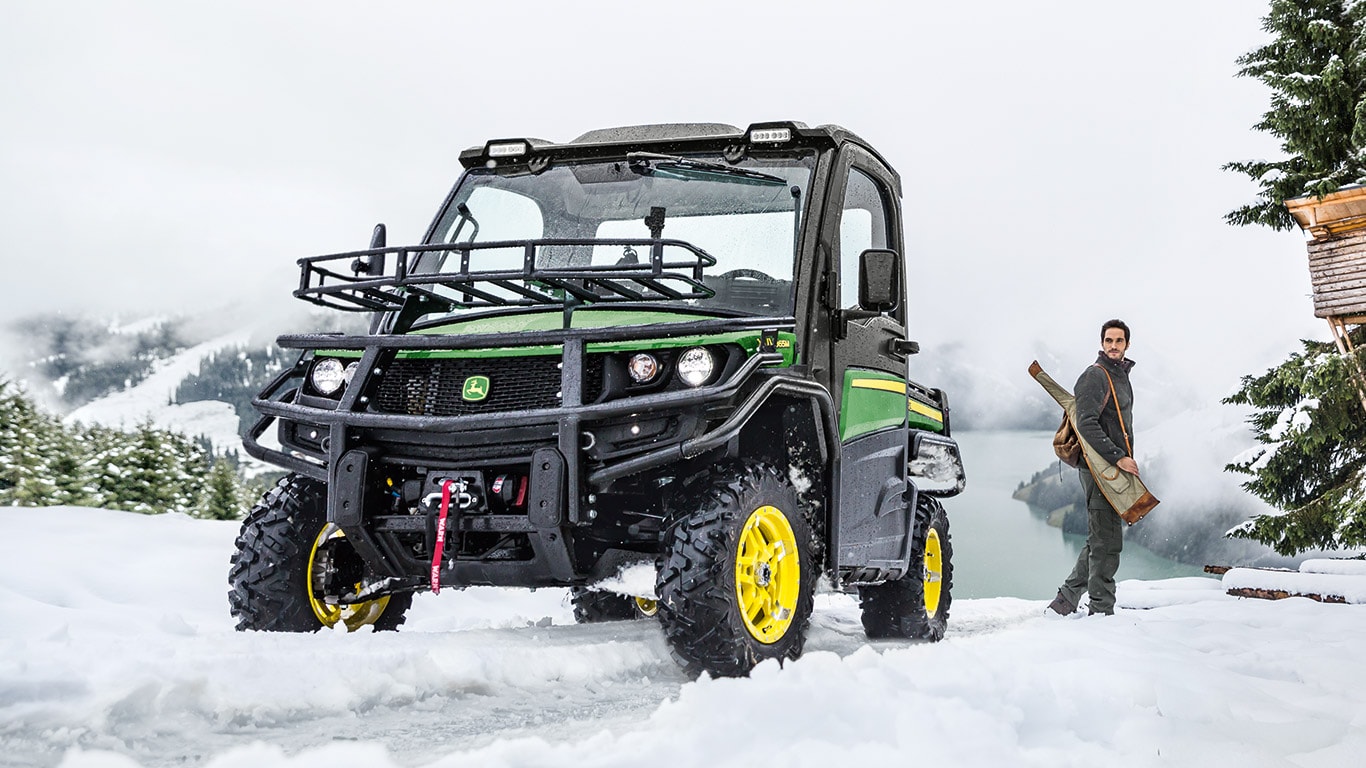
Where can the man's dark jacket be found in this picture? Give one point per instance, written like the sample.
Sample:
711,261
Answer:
1097,416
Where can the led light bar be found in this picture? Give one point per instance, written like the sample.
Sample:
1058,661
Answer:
507,149
770,135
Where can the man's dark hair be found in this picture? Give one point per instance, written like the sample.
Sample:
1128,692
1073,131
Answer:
1115,324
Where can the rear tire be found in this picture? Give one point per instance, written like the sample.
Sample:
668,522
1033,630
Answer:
738,574
287,554
916,606
592,606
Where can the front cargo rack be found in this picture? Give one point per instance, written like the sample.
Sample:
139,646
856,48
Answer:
424,271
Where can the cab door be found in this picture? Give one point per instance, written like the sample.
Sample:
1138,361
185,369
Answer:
866,375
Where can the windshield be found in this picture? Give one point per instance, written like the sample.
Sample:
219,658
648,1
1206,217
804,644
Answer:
746,216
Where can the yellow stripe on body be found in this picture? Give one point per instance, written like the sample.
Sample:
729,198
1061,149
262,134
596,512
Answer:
882,384
899,388
925,410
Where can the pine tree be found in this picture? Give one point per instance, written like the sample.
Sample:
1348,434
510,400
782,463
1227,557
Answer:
68,459
1312,462
151,471
101,466
1316,69
225,497
27,437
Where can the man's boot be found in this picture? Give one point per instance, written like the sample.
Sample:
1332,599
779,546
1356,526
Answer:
1062,606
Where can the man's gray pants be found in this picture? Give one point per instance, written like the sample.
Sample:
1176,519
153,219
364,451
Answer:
1094,572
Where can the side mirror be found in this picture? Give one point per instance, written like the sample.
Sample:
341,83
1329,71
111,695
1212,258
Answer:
879,280
372,265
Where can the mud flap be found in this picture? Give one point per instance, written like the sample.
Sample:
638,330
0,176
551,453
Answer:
545,507
346,494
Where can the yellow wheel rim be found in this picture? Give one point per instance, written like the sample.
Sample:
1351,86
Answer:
646,606
934,572
767,574
354,615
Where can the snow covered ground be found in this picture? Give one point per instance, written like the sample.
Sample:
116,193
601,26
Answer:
116,650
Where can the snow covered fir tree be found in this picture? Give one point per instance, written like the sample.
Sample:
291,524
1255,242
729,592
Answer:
1315,67
1309,419
44,462
28,443
1312,461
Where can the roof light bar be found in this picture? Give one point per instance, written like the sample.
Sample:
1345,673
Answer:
506,149
770,135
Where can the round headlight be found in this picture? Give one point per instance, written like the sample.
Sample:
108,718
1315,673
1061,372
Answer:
695,366
350,372
643,367
328,375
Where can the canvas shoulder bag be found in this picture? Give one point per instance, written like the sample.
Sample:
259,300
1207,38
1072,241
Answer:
1066,444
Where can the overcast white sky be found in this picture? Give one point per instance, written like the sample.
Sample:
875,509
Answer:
1060,159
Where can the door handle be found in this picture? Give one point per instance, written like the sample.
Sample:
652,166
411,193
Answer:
904,347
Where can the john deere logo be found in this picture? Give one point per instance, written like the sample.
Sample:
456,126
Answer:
476,388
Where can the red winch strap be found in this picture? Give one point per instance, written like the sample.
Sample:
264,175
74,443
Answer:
440,536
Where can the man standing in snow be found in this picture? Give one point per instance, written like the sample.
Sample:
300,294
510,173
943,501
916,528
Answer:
1104,400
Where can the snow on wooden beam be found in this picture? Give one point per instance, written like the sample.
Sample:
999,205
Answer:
1277,594
1344,584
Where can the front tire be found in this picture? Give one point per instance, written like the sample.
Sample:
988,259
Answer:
289,557
916,606
738,574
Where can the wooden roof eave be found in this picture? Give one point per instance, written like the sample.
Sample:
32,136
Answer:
1333,214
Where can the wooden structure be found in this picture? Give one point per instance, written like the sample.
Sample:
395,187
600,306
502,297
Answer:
1336,224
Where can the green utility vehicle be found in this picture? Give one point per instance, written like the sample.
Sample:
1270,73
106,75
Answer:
675,345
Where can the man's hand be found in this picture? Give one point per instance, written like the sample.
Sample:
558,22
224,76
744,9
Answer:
1128,465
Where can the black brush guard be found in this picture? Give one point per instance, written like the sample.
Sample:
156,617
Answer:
555,434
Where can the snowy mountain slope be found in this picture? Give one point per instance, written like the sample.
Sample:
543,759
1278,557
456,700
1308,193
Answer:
116,649
151,399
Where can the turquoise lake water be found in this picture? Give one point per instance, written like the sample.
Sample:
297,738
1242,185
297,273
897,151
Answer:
1000,547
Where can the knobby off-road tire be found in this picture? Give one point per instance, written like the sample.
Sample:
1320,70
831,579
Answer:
592,606
283,552
917,605
737,576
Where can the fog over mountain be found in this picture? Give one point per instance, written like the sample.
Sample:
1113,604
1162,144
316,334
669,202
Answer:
1060,163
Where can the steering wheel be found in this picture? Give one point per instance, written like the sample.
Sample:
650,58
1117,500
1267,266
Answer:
752,274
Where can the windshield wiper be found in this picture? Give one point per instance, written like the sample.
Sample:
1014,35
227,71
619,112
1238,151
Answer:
702,168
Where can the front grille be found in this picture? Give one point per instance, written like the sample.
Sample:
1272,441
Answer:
434,387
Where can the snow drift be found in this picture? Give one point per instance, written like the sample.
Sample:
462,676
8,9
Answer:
116,649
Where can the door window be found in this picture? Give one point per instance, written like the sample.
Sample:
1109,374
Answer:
863,225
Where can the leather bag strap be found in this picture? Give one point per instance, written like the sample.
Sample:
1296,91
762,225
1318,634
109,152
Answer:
1127,445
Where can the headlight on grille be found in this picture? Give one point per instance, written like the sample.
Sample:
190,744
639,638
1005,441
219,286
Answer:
695,366
643,367
329,375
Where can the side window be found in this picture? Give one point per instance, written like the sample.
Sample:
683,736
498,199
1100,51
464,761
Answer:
863,225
